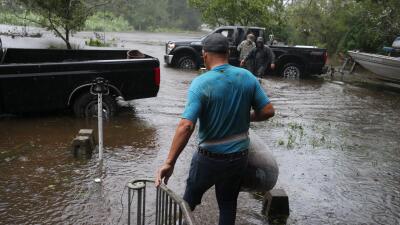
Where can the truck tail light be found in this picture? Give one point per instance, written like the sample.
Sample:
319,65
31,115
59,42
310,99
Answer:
157,76
325,57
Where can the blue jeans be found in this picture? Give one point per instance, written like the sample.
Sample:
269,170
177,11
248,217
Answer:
225,174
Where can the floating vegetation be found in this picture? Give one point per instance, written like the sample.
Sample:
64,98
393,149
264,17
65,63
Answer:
316,142
291,141
297,127
276,122
295,132
295,135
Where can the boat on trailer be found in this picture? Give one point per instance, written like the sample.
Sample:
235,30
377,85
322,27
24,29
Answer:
386,67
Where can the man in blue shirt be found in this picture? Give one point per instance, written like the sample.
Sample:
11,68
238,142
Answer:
221,100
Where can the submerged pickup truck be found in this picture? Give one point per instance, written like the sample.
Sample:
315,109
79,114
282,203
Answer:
40,80
290,61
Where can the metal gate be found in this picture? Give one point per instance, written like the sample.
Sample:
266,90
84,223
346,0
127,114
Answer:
168,208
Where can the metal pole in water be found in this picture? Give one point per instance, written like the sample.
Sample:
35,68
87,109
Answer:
100,87
100,124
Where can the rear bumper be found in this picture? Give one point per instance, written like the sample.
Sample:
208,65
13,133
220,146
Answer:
168,59
316,69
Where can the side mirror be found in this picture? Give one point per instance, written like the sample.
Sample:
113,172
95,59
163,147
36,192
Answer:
396,43
271,39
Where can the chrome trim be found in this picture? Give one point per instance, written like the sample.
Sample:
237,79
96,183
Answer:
3,56
168,59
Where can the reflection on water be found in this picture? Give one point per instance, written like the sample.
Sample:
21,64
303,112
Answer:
337,147
42,183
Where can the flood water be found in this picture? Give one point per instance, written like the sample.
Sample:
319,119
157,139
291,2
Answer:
338,149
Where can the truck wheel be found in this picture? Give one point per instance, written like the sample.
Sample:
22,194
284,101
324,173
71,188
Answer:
86,106
186,62
291,71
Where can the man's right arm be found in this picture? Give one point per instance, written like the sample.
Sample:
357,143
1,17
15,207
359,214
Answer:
239,47
182,135
249,56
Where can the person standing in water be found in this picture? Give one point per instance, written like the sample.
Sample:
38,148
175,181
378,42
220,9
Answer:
261,56
245,47
222,100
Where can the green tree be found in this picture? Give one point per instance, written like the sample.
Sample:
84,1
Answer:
379,23
228,12
154,14
340,25
142,14
266,13
181,15
60,16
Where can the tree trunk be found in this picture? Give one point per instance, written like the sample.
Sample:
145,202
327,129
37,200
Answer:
67,33
68,45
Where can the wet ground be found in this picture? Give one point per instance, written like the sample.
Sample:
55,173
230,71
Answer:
337,145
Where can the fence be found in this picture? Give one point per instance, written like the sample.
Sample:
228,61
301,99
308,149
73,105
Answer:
168,208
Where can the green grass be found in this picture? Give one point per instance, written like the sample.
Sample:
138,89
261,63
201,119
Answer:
97,43
12,19
107,22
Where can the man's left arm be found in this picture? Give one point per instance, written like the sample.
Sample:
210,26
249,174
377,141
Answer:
271,56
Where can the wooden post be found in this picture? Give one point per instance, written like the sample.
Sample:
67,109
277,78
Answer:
276,204
88,133
83,144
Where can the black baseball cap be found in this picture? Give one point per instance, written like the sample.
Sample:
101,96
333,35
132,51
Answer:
217,43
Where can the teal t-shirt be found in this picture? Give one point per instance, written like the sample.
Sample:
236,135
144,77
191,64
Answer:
221,99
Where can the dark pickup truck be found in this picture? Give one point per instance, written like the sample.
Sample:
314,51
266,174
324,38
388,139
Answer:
290,61
39,80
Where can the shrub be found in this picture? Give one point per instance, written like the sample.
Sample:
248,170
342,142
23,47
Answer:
107,22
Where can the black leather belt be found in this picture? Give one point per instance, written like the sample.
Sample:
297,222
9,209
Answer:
232,155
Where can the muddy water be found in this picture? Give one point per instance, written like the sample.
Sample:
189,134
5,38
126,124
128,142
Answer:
337,147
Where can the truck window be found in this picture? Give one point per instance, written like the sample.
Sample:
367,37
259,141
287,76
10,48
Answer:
241,35
227,33
256,32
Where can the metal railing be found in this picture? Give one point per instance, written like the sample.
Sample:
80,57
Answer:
168,208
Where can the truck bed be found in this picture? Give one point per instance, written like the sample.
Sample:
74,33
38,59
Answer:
38,80
18,55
